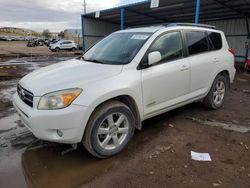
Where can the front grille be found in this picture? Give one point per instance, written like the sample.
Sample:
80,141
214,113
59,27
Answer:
25,95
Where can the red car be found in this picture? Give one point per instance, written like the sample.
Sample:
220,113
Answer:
247,64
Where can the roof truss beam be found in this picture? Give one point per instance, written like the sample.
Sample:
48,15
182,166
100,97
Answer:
146,15
231,8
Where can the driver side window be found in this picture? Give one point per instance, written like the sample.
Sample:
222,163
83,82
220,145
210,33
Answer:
169,45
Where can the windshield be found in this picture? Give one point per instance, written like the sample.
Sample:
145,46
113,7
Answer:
117,48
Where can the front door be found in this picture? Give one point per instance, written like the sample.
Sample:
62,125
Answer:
167,82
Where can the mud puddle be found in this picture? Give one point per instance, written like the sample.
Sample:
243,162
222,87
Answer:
48,168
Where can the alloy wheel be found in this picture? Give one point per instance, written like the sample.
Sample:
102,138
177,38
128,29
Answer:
219,92
113,131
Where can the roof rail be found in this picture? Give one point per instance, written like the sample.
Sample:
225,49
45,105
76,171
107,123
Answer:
190,24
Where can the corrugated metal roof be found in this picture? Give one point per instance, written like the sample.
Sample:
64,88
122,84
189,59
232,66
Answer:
170,11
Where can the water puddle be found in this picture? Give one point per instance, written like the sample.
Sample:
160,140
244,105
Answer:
47,168
8,122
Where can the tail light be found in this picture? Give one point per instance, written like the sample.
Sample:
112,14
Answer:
231,50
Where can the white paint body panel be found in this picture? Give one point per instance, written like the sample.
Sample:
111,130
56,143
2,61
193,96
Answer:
155,90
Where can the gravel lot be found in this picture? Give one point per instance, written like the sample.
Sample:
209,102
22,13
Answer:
19,49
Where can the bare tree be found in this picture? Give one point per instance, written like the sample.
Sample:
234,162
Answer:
61,34
46,33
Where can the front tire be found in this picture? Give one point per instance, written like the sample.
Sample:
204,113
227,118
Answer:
109,129
57,49
216,96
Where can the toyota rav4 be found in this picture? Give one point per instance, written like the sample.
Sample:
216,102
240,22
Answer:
131,75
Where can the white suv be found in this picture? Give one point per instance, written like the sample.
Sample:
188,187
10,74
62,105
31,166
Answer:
129,76
63,45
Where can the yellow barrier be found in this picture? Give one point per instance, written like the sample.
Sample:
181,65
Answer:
8,67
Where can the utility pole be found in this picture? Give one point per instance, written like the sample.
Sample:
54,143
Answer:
84,6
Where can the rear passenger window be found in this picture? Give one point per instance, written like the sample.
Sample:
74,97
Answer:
216,40
197,42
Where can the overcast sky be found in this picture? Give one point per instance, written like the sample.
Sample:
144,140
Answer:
55,15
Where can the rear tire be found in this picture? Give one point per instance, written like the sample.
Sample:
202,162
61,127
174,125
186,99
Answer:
216,96
110,128
57,49
73,49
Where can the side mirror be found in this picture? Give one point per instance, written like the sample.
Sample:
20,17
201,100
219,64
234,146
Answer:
154,57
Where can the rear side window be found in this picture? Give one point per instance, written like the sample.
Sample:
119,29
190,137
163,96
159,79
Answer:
197,42
67,42
216,40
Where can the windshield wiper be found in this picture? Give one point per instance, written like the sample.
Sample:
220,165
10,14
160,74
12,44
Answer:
97,61
93,60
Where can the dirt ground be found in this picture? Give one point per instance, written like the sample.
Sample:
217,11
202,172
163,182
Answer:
19,49
158,155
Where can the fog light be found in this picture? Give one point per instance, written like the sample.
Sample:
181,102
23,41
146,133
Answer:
59,133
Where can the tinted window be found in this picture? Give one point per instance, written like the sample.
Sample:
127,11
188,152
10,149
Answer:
169,45
197,42
216,40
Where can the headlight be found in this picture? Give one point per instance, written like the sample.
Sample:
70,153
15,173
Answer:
58,99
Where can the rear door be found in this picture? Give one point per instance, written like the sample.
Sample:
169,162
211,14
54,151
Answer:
65,45
202,61
69,45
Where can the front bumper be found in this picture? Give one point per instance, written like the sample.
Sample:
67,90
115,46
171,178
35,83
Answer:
44,124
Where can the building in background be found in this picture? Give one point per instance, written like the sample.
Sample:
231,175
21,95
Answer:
54,35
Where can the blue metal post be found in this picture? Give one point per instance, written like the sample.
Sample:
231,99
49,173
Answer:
197,14
83,42
122,18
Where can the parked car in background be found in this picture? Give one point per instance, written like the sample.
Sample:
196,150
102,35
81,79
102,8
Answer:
63,45
46,41
35,42
2,38
30,43
247,64
52,41
131,75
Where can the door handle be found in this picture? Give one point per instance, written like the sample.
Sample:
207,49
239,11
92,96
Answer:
184,67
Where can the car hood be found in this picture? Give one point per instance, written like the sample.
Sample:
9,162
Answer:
68,74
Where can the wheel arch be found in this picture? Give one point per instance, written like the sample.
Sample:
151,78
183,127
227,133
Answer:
223,72
127,100
226,74
207,101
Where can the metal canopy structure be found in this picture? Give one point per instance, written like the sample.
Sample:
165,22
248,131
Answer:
174,11
231,16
